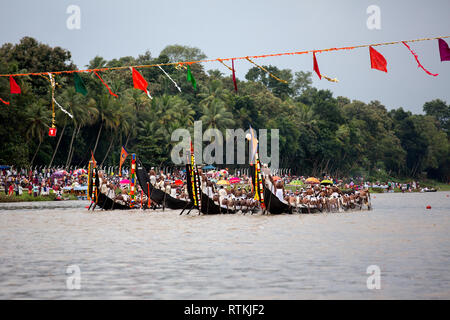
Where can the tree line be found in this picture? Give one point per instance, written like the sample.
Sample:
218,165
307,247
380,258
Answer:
318,132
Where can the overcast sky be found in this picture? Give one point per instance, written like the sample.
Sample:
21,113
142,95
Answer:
231,28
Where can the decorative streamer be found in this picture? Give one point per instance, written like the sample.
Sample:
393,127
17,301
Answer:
330,79
225,64
53,84
418,62
62,109
267,71
132,179
179,89
182,64
234,76
5,102
316,69
112,93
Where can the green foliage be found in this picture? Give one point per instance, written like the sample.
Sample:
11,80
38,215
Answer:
319,133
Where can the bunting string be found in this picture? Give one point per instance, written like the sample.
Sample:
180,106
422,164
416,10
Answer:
225,65
183,63
179,89
418,62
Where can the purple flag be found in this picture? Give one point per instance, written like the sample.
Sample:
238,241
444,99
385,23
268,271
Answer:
444,50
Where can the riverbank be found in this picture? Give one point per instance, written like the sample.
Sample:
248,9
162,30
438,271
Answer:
30,198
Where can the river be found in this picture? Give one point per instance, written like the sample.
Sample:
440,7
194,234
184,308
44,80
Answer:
162,255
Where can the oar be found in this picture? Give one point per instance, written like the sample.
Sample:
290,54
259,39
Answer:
187,203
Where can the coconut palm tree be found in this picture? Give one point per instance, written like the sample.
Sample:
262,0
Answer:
216,115
84,113
38,120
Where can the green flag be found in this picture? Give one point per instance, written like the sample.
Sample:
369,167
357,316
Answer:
79,84
190,77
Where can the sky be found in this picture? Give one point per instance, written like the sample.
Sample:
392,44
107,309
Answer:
222,29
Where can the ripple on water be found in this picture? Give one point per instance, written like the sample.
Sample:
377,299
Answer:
161,255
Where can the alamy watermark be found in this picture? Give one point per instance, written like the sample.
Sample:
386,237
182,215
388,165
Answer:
73,22
214,152
73,281
374,280
374,20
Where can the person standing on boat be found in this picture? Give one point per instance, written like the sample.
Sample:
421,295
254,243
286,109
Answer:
152,174
279,190
222,194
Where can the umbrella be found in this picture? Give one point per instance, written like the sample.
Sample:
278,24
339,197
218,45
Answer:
234,180
178,182
296,182
79,171
59,173
209,167
312,180
222,182
326,182
124,181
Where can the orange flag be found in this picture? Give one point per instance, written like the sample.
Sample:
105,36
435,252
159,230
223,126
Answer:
93,159
123,156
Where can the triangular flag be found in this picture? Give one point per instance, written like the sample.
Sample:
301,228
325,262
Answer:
234,75
79,84
444,50
316,66
123,156
190,77
14,87
377,61
139,82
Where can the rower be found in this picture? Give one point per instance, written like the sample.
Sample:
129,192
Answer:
152,174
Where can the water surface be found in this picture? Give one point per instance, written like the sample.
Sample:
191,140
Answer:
161,255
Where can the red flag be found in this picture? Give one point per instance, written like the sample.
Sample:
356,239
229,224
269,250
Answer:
139,82
14,87
234,76
316,66
377,61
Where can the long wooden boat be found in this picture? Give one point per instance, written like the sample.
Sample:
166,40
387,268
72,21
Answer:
275,205
160,197
207,205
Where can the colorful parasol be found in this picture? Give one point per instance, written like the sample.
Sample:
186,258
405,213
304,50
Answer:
312,180
234,180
